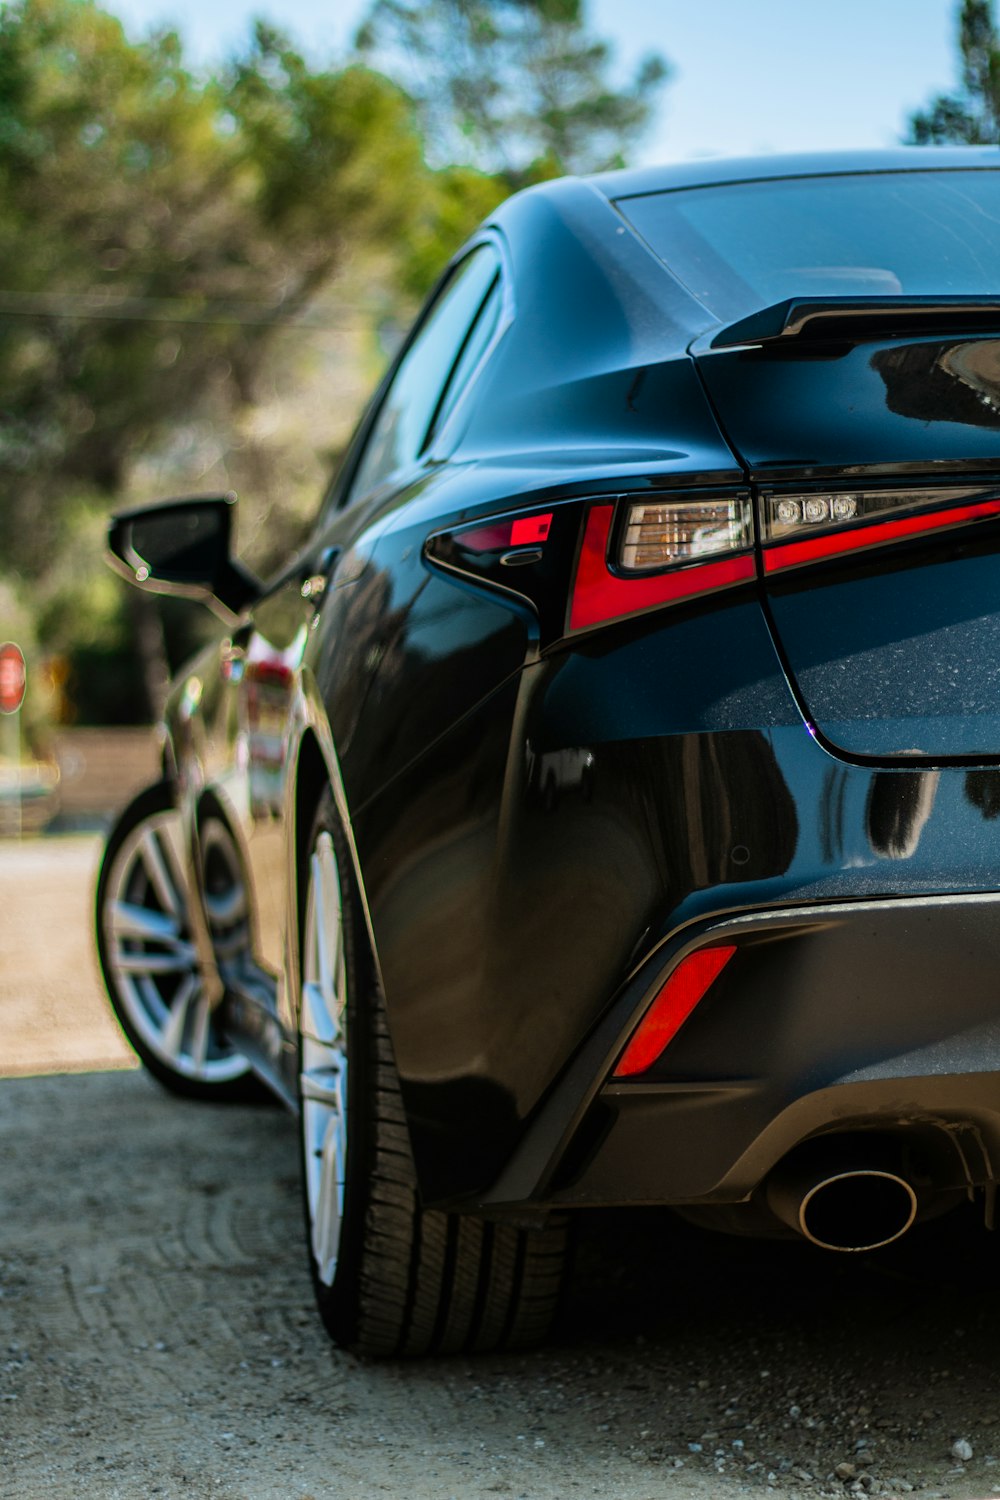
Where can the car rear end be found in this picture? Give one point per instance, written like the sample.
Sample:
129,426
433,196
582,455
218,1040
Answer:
697,903
809,1036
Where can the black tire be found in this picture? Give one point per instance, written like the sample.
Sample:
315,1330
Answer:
405,1280
147,959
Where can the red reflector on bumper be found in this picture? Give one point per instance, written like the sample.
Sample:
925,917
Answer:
687,985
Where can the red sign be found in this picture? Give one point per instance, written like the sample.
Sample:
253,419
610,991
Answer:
12,678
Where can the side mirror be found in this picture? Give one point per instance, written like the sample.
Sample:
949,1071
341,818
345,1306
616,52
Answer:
184,547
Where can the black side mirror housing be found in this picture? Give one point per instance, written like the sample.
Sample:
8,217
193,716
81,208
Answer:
184,547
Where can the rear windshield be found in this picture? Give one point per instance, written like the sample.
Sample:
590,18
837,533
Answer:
743,246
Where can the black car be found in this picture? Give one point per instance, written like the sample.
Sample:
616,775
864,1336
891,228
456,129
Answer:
604,807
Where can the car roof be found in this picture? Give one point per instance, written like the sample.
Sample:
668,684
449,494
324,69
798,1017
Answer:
595,305
717,170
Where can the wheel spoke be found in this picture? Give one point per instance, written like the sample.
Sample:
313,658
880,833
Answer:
332,927
324,986
324,1122
141,922
330,1201
158,873
321,937
177,1023
179,961
316,1019
325,1084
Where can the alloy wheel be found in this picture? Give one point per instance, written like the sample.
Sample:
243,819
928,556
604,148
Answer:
153,963
323,1054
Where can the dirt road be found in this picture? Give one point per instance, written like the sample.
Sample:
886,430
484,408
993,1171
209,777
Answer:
157,1336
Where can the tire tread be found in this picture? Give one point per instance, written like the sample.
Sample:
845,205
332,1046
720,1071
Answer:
415,1281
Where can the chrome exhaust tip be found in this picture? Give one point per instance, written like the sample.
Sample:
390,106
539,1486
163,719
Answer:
859,1208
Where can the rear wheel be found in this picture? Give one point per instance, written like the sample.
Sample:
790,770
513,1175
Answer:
147,954
391,1278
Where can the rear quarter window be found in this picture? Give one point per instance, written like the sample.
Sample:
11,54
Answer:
412,404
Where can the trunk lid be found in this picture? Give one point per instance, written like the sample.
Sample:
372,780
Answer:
893,650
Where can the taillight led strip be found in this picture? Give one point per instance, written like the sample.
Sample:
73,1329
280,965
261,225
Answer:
873,534
600,595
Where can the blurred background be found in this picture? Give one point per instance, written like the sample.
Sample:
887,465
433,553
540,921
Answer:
217,222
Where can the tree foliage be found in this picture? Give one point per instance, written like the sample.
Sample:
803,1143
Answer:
157,228
165,231
160,229
516,87
971,115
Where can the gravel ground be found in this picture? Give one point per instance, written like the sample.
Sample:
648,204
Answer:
157,1335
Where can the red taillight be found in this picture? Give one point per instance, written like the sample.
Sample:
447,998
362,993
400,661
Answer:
512,531
853,538
528,529
687,985
584,563
600,595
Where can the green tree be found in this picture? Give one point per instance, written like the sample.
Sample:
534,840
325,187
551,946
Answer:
515,87
158,229
169,238
971,115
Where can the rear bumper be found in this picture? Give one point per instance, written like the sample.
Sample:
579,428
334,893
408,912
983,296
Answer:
865,1015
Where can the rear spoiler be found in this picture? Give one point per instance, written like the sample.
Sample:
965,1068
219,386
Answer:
856,320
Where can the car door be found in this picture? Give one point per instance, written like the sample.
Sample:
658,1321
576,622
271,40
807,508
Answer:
260,664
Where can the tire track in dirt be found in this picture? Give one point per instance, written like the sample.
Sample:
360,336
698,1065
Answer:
158,1331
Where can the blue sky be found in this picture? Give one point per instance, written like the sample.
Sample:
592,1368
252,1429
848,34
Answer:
749,75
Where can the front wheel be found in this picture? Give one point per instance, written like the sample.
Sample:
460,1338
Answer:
147,955
391,1278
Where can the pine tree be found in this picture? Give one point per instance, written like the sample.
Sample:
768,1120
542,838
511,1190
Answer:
970,116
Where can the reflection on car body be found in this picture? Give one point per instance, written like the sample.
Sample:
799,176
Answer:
556,771
601,808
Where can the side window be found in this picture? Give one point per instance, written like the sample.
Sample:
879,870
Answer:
475,346
414,399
